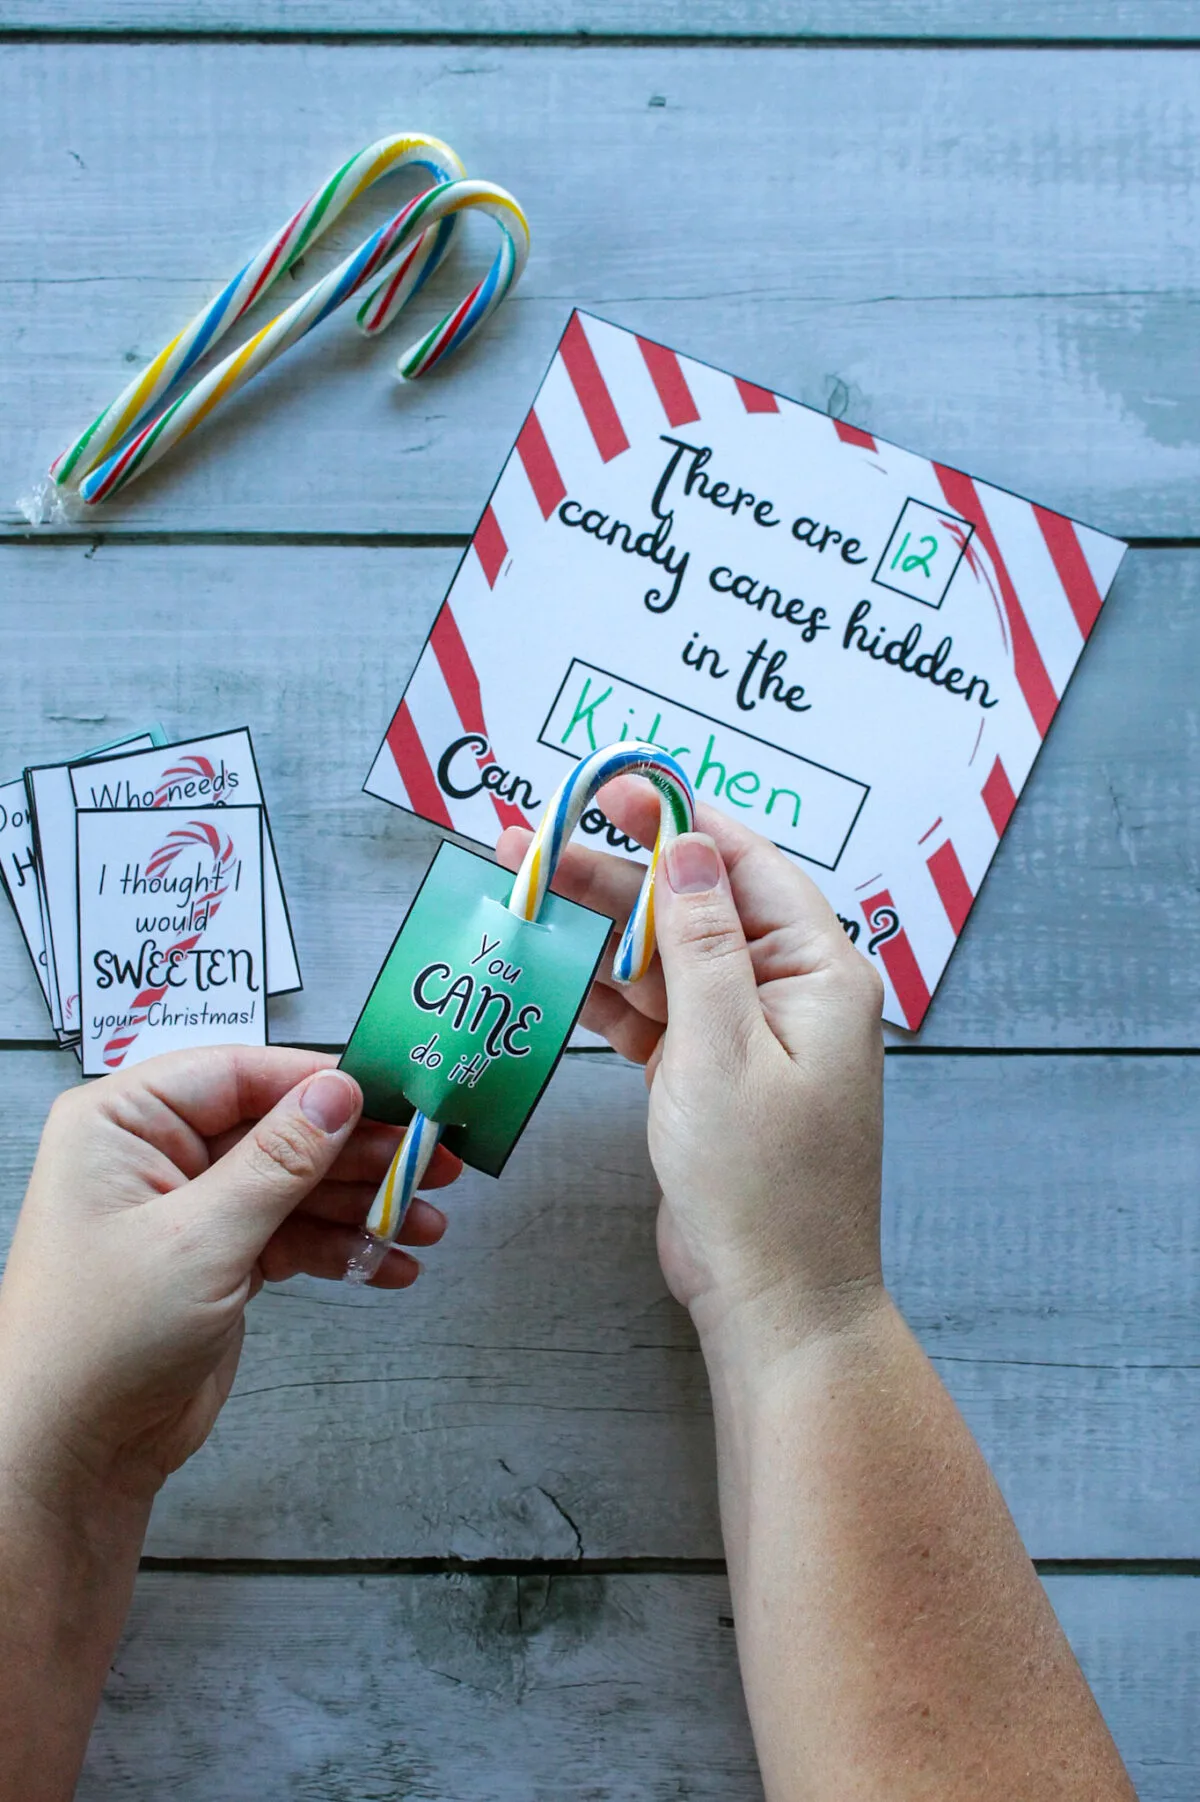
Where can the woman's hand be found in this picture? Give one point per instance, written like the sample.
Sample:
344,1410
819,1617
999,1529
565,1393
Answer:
894,1639
162,1198
765,1073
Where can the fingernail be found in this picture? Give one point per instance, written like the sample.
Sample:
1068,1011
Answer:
328,1101
693,866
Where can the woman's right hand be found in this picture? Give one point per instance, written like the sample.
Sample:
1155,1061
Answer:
893,1636
759,1025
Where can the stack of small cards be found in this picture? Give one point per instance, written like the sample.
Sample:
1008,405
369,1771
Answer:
144,879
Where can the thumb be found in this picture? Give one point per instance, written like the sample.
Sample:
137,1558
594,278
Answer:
712,995
250,1191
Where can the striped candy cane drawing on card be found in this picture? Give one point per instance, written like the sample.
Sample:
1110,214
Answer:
201,909
192,768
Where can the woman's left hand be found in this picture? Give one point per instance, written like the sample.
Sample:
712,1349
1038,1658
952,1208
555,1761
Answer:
161,1200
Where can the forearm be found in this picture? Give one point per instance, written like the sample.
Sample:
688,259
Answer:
67,1566
894,1638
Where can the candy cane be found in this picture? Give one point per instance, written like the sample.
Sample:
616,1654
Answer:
373,260
276,257
631,961
196,832
393,262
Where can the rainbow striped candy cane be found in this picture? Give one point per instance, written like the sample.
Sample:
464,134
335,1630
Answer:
278,254
393,262
677,807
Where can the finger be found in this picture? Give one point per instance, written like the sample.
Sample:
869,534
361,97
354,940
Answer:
348,1204
370,1152
423,1224
365,1157
213,1087
792,929
276,1166
796,940
711,989
769,889
648,995
792,932
776,901
512,845
177,1102
302,1247
398,1271
608,885
633,806
631,1033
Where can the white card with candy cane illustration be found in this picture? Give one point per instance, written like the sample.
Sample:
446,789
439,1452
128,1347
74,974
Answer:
172,936
854,649
217,769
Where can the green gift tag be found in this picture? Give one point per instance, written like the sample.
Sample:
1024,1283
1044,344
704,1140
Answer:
472,1008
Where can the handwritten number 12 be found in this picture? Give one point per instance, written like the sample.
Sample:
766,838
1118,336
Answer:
913,561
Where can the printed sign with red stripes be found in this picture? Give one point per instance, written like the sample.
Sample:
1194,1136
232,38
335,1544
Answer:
856,650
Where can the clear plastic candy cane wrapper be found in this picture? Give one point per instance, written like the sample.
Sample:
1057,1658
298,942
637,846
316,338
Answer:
478,995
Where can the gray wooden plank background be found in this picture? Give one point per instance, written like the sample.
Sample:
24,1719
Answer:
987,255
539,1395
617,1687
1126,21
1086,932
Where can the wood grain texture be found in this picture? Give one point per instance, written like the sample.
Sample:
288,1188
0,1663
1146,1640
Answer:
526,1689
539,1395
989,256
1085,934
986,254
1082,21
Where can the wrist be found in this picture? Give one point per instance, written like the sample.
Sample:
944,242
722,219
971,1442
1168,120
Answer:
50,1495
70,1549
750,1338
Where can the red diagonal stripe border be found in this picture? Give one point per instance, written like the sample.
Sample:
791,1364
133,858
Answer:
537,459
414,768
899,960
1079,584
852,434
949,879
998,797
490,546
579,361
1032,677
754,398
458,671
666,372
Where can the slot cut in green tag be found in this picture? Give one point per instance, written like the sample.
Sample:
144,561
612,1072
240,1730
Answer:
473,1007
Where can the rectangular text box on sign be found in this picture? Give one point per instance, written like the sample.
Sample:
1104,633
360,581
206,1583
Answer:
803,806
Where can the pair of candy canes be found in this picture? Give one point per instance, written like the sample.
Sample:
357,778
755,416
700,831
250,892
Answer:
393,264
630,962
